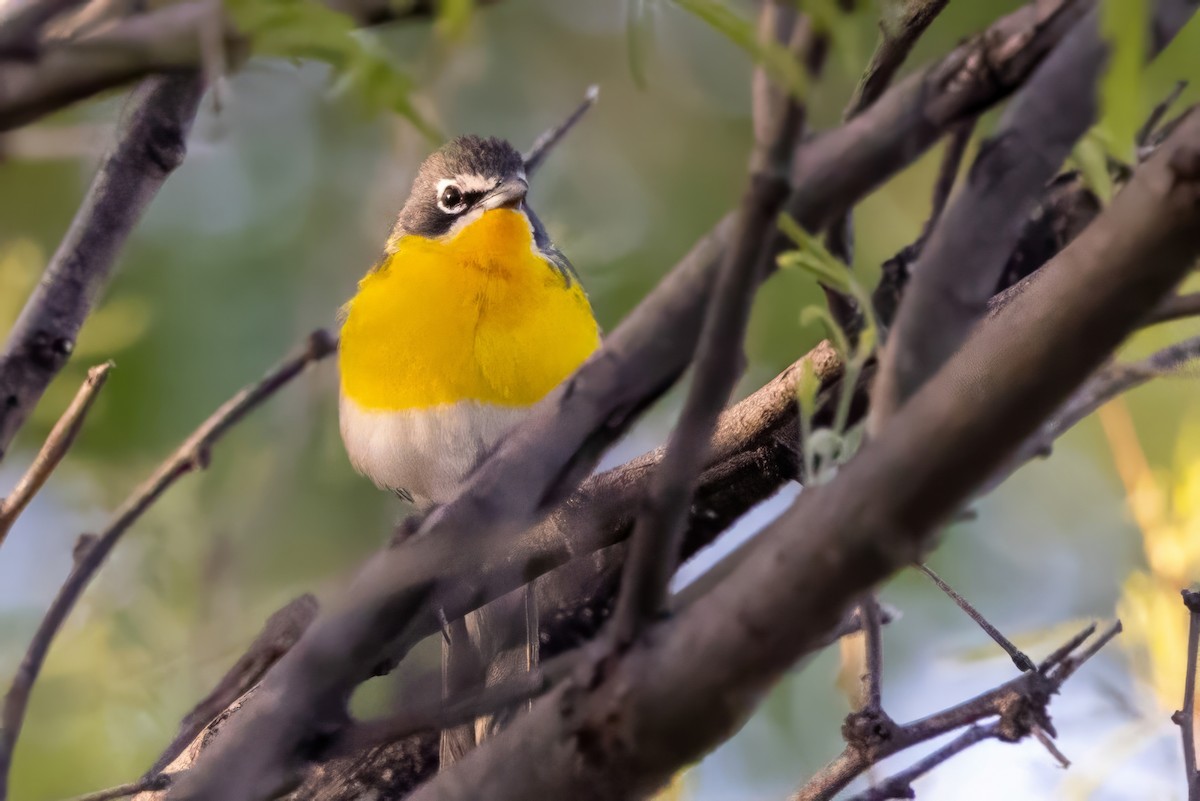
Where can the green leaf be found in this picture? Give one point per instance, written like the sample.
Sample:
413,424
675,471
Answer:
807,387
814,258
828,17
454,17
825,446
808,384
308,29
1091,157
833,331
1124,24
776,59
639,24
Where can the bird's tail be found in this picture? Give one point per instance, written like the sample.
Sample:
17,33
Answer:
493,645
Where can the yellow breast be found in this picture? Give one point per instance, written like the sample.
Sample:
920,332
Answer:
480,317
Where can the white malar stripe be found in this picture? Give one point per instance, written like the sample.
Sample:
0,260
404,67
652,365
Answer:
427,452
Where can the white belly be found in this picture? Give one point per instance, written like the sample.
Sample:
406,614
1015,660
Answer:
425,452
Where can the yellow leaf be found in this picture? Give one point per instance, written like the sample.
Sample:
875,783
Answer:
851,668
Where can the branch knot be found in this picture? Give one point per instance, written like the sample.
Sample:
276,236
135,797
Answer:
868,729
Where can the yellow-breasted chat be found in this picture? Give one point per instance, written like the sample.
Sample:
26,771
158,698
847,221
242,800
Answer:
469,319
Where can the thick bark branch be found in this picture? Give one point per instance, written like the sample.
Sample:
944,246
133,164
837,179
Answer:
150,144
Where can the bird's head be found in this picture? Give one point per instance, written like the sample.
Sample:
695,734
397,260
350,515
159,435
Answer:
458,183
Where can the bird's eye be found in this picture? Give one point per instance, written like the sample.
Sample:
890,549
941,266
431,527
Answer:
451,199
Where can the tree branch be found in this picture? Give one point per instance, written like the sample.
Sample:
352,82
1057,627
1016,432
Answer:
961,264
658,532
1176,307
24,22
541,460
49,72
897,35
900,785
869,613
53,449
1186,717
545,143
659,528
918,111
92,550
1021,704
829,548
150,144
281,631
1023,662
1098,390
164,41
154,783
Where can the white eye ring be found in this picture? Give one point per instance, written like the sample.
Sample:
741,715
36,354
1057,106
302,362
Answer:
450,197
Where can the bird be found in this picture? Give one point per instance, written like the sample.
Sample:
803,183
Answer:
469,318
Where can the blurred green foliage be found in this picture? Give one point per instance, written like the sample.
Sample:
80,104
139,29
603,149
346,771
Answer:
306,29
285,199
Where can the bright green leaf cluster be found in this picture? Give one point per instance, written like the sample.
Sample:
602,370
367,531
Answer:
826,449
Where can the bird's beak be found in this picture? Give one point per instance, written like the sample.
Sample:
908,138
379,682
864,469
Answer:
508,195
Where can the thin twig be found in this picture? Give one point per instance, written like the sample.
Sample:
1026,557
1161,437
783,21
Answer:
779,117
1019,705
1047,742
1176,307
91,552
1146,132
1106,384
1023,662
159,781
1062,652
896,40
658,530
872,625
1067,667
464,707
53,449
898,34
900,785
1186,717
546,142
952,156
654,548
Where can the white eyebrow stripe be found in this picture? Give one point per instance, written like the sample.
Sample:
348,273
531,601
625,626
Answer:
472,182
